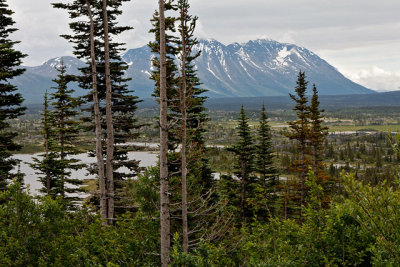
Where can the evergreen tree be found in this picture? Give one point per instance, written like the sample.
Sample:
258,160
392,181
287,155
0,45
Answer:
317,139
65,132
171,53
198,165
269,177
244,152
124,103
97,118
318,132
166,91
10,101
194,165
61,135
196,115
300,131
48,168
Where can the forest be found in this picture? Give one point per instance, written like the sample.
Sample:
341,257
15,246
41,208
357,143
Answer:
235,184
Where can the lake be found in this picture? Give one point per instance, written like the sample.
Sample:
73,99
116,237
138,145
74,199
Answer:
147,159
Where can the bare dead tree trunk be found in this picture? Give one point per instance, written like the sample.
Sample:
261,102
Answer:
185,227
46,142
164,197
97,120
109,121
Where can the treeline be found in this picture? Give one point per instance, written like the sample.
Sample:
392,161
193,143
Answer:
178,213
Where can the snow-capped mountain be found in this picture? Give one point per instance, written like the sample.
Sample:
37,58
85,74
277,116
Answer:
256,68
36,80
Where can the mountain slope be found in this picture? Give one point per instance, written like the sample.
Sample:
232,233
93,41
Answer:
257,68
36,80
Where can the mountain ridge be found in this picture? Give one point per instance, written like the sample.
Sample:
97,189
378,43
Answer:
261,67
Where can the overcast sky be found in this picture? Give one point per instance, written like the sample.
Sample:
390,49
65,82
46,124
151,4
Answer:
361,38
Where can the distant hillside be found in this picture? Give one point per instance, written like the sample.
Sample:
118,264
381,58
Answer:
233,104
257,68
388,99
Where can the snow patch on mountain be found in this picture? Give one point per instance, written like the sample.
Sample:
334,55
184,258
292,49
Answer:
261,67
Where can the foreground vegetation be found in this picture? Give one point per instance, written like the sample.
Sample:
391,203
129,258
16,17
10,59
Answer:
361,227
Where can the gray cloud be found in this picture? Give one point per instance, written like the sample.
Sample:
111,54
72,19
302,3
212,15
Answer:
351,34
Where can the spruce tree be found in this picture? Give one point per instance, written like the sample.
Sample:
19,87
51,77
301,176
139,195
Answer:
318,132
300,131
166,91
65,129
124,103
196,176
317,138
244,151
10,101
97,117
61,134
196,112
269,178
48,168
171,53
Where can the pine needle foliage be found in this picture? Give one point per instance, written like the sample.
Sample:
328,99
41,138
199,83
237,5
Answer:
10,100
300,129
244,151
264,159
124,102
61,135
318,131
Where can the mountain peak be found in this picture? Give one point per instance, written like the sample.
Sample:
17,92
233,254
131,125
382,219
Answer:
261,67
67,60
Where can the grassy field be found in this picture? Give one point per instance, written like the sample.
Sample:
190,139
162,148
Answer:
368,128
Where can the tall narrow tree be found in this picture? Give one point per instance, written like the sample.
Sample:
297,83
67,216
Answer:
65,133
318,132
183,7
186,116
109,119
196,117
10,100
47,136
47,168
61,135
244,151
124,103
97,116
299,132
264,161
164,176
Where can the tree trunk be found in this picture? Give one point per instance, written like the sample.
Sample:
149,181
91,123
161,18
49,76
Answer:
243,194
109,121
315,159
46,142
302,178
97,119
185,230
62,152
164,197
